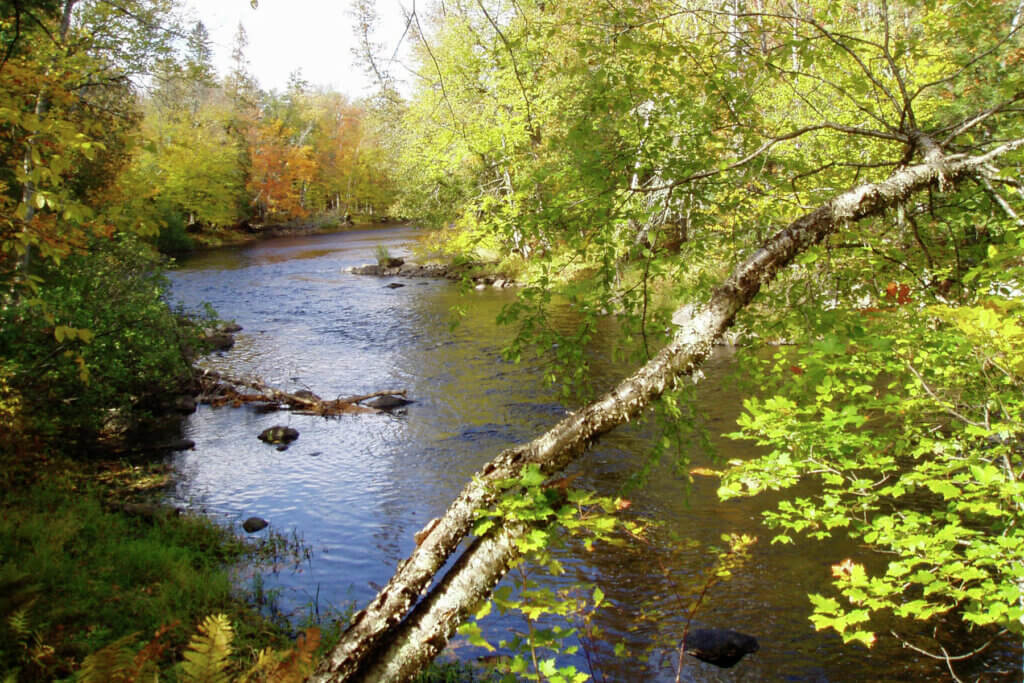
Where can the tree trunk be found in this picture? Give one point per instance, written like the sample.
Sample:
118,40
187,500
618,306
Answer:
382,643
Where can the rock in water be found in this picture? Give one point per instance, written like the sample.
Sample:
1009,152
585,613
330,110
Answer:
388,402
254,524
719,646
279,434
218,341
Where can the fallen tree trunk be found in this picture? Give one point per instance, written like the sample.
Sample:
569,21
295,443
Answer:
383,643
214,392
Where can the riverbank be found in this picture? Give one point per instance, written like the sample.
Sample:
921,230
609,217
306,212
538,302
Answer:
247,233
90,561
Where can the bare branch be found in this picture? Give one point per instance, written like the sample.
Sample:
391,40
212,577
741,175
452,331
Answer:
973,121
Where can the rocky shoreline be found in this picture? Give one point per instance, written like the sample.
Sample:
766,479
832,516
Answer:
480,273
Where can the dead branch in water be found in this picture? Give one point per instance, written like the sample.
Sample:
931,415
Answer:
218,390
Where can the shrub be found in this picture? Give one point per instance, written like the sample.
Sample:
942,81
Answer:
96,340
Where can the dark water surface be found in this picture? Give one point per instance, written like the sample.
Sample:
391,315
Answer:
357,488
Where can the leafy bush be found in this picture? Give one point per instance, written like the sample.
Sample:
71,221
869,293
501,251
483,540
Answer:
172,238
96,340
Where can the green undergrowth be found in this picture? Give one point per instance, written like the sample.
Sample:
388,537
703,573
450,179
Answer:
77,574
455,672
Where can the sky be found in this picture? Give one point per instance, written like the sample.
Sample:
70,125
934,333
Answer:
315,36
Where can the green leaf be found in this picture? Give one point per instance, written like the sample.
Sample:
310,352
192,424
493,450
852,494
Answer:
471,630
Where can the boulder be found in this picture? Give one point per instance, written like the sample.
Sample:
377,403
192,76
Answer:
392,262
231,328
719,646
393,285
254,524
279,434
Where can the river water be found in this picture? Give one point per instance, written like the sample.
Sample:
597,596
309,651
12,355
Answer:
355,489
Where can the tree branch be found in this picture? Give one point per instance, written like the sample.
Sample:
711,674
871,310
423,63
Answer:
828,125
378,641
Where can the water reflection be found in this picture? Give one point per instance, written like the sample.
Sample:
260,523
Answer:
358,487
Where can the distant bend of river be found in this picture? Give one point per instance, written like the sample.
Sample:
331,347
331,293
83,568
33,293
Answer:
357,488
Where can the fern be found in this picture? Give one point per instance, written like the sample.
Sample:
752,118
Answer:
299,663
113,664
206,659
146,660
267,662
19,623
289,666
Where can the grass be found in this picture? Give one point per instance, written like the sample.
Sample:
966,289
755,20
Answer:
76,574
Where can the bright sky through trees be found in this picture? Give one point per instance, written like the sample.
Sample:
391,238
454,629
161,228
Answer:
284,35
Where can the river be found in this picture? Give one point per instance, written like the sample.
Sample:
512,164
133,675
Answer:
355,489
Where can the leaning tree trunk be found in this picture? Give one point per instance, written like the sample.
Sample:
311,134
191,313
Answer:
385,642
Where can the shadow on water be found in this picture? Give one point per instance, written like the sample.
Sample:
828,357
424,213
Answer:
357,488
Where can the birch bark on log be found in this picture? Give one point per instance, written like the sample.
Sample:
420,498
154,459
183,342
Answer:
382,644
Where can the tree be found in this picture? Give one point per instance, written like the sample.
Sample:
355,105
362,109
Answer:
67,97
191,168
724,123
68,115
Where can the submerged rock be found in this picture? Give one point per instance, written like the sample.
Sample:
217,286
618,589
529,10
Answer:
279,434
254,524
394,285
388,402
719,646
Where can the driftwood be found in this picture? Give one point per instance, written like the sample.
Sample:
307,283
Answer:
219,389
